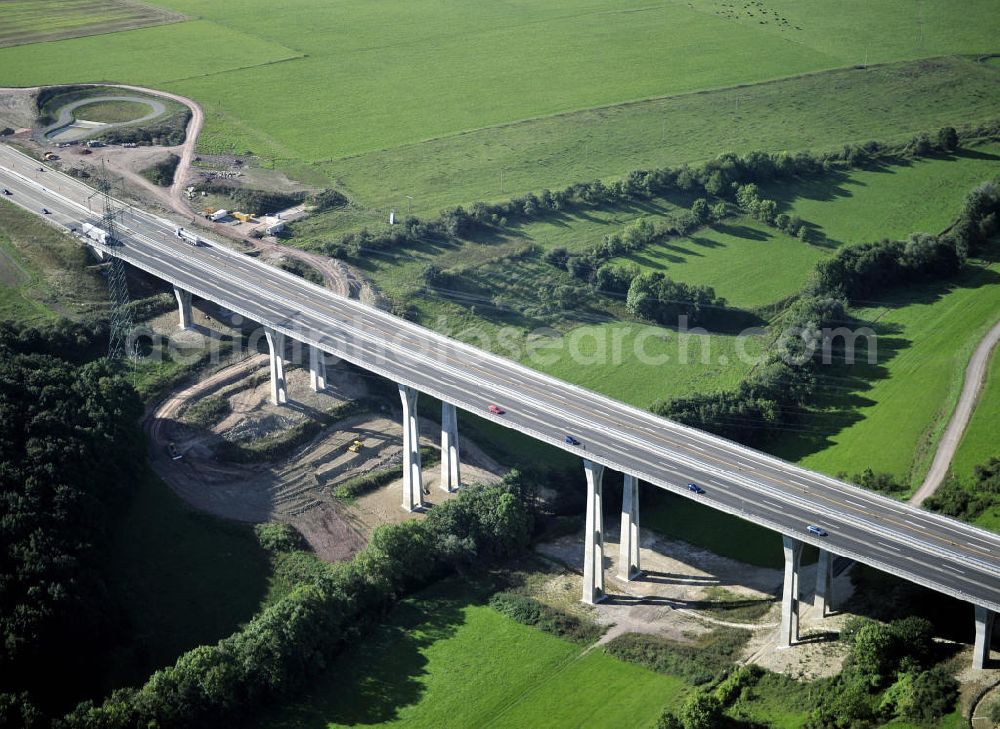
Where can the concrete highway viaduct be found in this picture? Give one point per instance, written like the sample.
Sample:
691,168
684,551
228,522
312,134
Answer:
931,550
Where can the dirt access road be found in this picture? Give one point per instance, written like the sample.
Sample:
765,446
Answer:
975,377
127,163
335,276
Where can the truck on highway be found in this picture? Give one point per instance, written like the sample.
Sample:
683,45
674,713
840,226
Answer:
188,236
97,234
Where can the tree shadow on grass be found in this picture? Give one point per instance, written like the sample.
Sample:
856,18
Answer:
839,397
735,230
965,153
843,384
381,673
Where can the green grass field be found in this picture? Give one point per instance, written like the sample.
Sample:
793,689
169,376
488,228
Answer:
147,56
639,364
980,442
889,416
111,112
819,111
738,259
444,659
24,23
42,271
440,99
893,201
182,579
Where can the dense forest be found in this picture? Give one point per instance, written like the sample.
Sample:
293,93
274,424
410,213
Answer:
69,448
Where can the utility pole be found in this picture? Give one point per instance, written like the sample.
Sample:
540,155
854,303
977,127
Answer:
120,314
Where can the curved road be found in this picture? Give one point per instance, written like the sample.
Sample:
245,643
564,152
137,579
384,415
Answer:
975,377
335,279
66,117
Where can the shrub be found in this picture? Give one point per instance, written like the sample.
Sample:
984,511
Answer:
367,482
276,537
701,711
162,173
698,662
557,257
668,721
326,200
528,611
934,695
733,685
301,269
203,413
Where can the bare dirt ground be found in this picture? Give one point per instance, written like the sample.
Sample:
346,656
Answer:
17,108
668,600
295,488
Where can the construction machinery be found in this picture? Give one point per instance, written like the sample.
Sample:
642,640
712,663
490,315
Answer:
355,445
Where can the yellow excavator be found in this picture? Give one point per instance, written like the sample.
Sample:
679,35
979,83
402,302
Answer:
355,446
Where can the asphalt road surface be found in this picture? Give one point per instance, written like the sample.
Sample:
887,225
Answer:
940,553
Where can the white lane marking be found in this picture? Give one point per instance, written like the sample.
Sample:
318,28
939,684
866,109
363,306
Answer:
918,525
888,546
285,289
953,568
856,503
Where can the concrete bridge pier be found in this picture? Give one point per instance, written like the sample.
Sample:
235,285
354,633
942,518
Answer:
593,558
276,343
449,448
984,633
790,592
184,306
413,492
628,555
823,601
317,369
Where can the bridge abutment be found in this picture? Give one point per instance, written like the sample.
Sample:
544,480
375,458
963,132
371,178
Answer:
984,633
413,492
593,558
317,369
450,461
628,554
276,345
790,592
183,306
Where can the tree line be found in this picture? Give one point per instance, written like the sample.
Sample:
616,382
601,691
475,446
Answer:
719,178
775,395
293,639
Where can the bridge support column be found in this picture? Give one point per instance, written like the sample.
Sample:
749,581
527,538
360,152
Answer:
824,583
790,592
449,448
184,306
276,343
413,491
628,546
593,558
317,369
984,633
